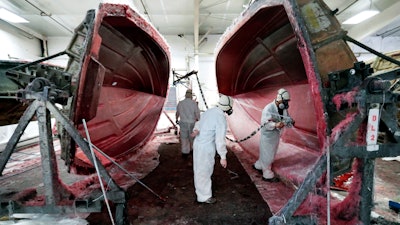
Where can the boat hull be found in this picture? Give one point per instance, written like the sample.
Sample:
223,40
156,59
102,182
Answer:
263,52
123,83
116,81
283,44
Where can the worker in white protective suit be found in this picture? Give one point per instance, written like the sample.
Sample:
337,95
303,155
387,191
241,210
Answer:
188,112
275,116
210,133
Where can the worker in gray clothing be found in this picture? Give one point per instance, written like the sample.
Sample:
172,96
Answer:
188,112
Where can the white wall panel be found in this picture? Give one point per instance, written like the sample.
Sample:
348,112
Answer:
56,45
17,44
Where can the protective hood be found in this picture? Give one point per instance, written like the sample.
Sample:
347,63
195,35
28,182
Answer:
225,103
283,95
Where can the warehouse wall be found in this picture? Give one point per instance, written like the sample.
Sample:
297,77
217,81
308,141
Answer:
56,45
17,44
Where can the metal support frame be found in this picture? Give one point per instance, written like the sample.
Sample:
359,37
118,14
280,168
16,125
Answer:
186,76
180,77
54,190
340,148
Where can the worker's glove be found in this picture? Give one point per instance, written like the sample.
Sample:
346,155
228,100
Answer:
289,122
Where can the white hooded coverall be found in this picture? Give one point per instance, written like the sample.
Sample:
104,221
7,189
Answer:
188,112
269,140
211,138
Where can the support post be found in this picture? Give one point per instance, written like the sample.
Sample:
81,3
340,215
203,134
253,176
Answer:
54,191
367,189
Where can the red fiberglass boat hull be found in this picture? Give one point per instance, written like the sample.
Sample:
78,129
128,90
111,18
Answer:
123,83
283,44
265,51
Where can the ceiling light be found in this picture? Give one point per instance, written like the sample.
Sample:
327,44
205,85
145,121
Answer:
11,17
361,17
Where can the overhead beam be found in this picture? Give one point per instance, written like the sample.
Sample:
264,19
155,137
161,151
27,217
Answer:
196,25
50,16
205,36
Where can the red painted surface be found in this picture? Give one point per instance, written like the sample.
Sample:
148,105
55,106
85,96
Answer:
271,46
253,70
123,83
120,128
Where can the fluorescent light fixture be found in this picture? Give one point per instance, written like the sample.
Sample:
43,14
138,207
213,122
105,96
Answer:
11,17
361,17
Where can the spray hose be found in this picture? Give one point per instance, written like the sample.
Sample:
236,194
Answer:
287,120
249,136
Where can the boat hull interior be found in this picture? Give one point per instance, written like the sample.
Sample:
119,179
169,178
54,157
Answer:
131,60
116,80
293,45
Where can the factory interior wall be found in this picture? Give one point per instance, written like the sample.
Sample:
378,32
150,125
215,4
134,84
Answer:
16,44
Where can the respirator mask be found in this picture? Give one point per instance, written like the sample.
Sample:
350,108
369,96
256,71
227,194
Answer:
284,104
225,103
229,112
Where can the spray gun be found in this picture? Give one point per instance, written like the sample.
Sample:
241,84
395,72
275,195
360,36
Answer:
286,120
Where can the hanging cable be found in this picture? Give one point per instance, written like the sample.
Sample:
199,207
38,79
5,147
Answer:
201,91
145,10
43,13
328,182
98,174
126,171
